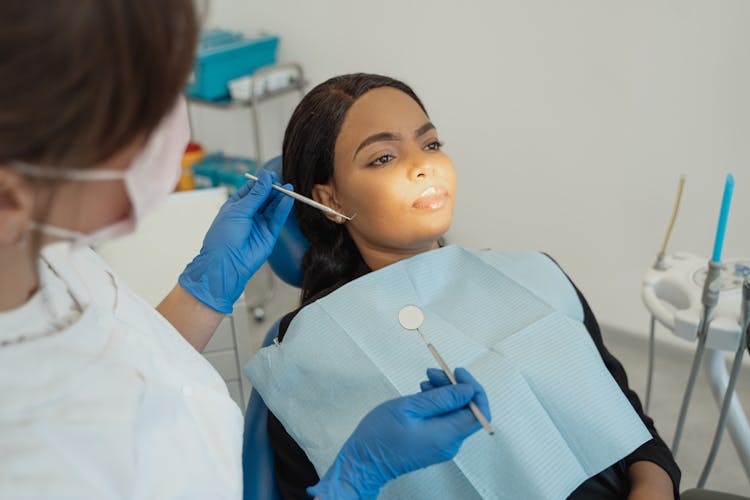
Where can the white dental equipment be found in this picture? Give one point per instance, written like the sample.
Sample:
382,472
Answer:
411,317
677,290
304,199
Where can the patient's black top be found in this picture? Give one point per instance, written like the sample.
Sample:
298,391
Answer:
294,472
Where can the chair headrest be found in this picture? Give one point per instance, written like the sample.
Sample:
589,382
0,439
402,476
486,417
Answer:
286,257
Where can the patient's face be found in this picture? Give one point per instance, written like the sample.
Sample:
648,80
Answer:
389,169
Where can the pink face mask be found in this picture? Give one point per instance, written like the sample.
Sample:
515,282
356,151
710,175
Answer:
151,177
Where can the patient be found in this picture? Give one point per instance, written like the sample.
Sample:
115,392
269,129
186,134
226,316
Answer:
364,144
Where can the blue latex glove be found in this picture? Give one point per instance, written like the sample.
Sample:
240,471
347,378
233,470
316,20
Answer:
437,378
403,435
239,240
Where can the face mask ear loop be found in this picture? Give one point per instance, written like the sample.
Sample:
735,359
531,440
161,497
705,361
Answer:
57,232
64,173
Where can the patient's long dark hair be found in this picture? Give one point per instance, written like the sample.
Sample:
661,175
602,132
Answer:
307,157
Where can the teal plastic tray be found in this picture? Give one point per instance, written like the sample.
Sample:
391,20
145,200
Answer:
217,169
223,56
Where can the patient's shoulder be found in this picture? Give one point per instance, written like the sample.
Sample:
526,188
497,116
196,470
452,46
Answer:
287,319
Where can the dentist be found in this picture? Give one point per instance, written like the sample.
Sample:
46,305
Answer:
101,396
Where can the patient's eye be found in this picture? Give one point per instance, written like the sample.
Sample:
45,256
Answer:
382,160
434,146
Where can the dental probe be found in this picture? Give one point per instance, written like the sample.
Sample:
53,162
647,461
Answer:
304,199
411,318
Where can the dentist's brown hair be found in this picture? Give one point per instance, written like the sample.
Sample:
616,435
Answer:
82,79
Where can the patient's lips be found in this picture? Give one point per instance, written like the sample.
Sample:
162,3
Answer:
432,198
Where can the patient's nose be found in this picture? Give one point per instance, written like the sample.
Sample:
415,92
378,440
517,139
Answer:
420,168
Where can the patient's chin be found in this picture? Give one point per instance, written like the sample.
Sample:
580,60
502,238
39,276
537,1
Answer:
427,240
408,233
436,229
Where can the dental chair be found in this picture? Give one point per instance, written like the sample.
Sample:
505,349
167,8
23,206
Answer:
257,454
258,475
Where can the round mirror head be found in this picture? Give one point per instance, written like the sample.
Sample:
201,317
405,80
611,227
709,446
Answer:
411,317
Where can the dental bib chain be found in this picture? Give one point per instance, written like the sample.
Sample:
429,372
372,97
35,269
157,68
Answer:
57,326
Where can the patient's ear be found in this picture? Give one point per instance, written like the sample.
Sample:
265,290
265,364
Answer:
326,194
15,207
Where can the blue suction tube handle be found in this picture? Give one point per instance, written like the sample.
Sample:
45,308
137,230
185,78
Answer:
721,229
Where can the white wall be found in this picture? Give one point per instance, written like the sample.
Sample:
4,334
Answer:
569,122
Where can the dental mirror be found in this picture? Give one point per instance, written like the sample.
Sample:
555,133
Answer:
411,317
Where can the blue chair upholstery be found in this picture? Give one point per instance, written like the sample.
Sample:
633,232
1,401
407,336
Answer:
257,455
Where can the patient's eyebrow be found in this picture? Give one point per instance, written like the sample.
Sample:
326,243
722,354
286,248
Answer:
424,129
392,136
379,137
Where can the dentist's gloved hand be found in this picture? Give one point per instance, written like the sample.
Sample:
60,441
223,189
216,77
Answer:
437,378
239,240
403,435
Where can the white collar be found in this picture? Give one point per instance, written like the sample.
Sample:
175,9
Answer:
50,309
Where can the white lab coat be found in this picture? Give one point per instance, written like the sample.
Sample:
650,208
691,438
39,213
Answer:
116,405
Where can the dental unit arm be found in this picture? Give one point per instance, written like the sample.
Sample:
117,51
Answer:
744,342
680,291
709,299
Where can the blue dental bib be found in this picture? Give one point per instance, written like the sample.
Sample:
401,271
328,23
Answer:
513,319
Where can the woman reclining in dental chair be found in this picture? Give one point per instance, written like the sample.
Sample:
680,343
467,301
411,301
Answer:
566,421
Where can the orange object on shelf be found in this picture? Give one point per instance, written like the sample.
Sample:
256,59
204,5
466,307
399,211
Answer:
193,153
